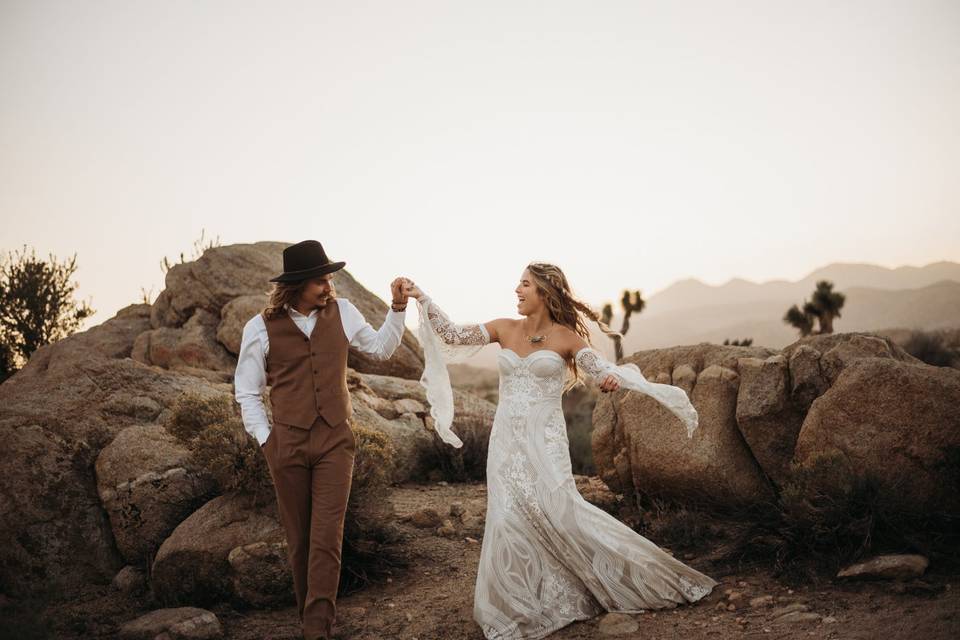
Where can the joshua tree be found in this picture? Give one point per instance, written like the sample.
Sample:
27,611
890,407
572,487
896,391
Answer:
36,306
631,303
824,307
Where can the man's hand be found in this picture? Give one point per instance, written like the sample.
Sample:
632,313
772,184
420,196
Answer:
396,290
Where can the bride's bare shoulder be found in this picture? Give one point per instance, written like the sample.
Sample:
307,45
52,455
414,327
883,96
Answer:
570,340
500,327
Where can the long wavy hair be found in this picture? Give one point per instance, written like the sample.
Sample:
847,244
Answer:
286,294
565,308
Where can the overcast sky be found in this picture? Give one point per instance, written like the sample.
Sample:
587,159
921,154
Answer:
632,143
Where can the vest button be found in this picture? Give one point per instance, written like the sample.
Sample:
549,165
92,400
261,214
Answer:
306,339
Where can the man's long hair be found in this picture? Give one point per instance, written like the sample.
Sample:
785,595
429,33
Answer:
565,308
286,294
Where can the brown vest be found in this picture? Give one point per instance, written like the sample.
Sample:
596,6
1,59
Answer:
308,376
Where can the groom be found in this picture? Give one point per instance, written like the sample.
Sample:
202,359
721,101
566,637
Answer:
298,345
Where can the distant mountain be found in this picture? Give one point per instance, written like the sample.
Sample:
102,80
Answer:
878,298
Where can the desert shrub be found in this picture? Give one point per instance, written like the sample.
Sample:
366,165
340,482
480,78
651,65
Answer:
370,533
933,348
467,463
211,427
830,515
679,527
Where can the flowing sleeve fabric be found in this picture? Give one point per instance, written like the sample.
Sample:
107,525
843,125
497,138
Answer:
443,341
597,368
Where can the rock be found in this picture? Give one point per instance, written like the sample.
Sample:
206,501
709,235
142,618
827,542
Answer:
181,623
223,274
765,415
148,486
894,423
261,574
797,616
761,601
887,567
193,345
638,443
234,316
142,408
409,405
447,530
426,518
617,624
411,442
71,400
129,580
192,564
457,509
828,620
793,607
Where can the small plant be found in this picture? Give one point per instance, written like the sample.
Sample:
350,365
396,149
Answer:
199,247
745,342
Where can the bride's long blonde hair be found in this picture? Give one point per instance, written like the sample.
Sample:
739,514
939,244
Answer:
565,308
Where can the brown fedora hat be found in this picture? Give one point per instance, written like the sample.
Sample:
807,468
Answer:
304,260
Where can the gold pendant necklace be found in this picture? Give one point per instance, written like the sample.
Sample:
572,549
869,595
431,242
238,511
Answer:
535,339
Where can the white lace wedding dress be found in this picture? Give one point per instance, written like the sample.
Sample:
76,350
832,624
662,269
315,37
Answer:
548,556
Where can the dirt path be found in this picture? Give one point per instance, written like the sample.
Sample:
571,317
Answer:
433,600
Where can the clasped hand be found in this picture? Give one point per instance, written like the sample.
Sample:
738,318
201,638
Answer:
401,289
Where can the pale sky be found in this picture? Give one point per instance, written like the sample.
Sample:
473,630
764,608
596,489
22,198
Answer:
632,143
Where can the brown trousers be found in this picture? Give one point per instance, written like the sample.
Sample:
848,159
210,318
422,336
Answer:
312,470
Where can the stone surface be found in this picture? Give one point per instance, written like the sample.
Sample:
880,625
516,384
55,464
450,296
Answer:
148,486
895,422
617,624
180,623
887,567
261,575
192,565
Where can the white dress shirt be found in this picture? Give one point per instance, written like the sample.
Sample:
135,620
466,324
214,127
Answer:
250,378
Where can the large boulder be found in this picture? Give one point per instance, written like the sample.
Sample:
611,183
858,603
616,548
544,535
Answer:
223,274
194,345
763,413
897,423
148,485
639,445
192,566
70,401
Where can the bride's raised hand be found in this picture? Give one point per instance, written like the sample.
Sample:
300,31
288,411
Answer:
409,288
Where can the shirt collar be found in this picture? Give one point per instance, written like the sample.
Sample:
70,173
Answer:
293,311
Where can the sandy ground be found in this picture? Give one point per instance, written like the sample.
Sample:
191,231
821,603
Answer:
433,598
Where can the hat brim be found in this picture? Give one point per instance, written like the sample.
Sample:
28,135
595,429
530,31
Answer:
296,276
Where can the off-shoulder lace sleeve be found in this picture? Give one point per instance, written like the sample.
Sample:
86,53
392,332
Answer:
443,341
596,367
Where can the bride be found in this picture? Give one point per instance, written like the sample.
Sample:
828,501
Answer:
548,556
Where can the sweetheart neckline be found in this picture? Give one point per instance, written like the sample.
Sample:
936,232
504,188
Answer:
502,349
